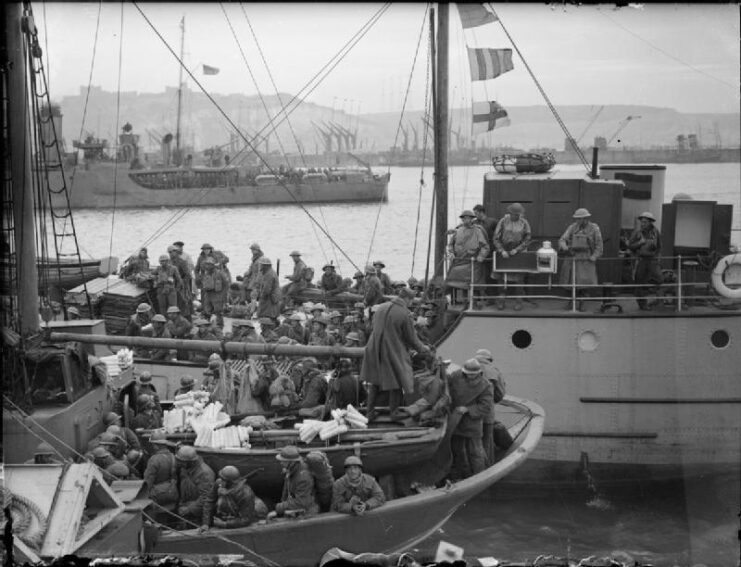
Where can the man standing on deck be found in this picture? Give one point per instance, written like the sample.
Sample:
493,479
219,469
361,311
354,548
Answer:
168,283
512,236
645,244
372,288
471,398
468,241
487,223
252,275
387,365
582,242
268,295
185,293
213,282
383,277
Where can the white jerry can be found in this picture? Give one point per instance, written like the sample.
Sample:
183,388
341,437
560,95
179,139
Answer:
546,258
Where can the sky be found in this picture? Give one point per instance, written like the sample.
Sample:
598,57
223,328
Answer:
681,56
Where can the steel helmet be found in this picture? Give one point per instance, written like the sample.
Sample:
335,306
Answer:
516,209
289,453
133,456
142,308
214,358
186,453
159,319
145,377
44,448
164,258
485,354
352,336
187,381
119,470
648,216
353,460
108,438
111,418
173,309
471,366
229,472
295,253
115,430
582,214
100,453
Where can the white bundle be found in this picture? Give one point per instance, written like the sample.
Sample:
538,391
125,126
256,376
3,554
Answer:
125,357
309,429
354,418
174,420
331,429
222,422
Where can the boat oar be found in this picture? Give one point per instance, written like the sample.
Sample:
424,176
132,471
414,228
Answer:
233,348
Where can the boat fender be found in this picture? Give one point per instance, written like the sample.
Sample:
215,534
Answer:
321,470
730,263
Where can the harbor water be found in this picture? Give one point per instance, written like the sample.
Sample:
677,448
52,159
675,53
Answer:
678,524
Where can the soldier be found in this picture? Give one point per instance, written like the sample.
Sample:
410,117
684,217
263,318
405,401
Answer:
160,331
203,330
297,278
236,504
112,418
344,387
331,282
196,482
383,277
267,328
146,386
645,244
299,496
213,285
487,223
44,455
185,293
356,492
334,326
179,328
298,332
372,288
468,241
252,275
512,236
187,384
357,287
142,317
582,241
207,253
313,390
471,398
135,265
147,416
160,476
168,283
248,333
120,471
495,433
73,314
268,295
319,335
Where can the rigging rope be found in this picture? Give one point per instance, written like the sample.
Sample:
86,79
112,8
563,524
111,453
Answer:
398,126
267,111
553,110
284,110
425,137
118,122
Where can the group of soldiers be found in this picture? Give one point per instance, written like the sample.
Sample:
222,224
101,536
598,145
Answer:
581,244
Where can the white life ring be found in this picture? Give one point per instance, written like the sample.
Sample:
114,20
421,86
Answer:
731,261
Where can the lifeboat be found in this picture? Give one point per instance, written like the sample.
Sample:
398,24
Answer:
523,163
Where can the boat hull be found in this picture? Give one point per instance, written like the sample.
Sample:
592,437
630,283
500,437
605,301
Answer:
628,397
102,185
394,527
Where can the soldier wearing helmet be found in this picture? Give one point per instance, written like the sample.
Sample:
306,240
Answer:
512,235
196,481
179,328
135,265
141,317
468,242
147,415
330,282
44,455
297,278
268,291
372,287
582,243
319,335
120,471
167,283
383,277
299,494
214,285
235,501
645,245
185,294
344,386
160,475
472,398
160,331
187,383
356,492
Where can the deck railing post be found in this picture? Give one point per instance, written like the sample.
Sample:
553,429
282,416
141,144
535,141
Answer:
573,284
471,287
679,283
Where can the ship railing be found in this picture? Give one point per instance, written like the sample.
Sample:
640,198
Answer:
678,292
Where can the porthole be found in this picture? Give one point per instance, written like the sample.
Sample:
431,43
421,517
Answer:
720,338
522,338
588,341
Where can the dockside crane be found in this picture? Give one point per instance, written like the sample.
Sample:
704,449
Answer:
621,126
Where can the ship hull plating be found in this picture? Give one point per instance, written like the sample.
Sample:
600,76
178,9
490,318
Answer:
628,396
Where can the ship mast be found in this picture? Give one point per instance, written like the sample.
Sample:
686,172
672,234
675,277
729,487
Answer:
18,109
178,159
440,123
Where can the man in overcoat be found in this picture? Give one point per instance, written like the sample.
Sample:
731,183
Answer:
387,365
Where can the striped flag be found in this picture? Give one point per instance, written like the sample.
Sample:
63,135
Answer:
208,70
489,63
473,15
487,116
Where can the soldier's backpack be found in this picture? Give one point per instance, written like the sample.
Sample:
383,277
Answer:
321,470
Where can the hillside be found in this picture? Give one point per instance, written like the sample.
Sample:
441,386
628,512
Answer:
154,114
